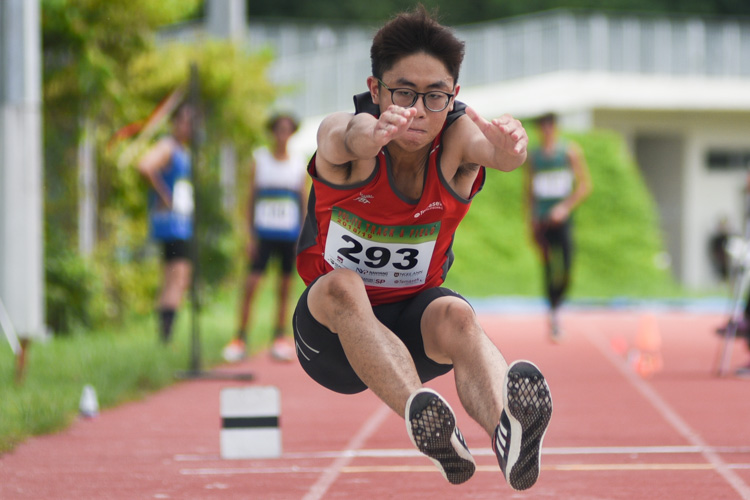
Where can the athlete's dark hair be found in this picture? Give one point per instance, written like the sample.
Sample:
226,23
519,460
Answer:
546,118
276,118
411,33
184,108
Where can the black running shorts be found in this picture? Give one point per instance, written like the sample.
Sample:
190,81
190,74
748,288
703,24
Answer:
286,251
175,250
322,357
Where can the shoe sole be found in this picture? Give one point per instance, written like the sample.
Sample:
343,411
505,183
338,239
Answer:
433,431
528,404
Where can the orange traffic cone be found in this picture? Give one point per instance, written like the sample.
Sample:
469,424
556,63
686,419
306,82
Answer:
647,360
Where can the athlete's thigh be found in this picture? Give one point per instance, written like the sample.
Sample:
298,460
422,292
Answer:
287,251
320,352
408,328
260,262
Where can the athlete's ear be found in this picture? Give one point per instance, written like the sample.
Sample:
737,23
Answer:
455,94
374,86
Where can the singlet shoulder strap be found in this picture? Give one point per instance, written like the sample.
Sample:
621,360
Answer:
363,104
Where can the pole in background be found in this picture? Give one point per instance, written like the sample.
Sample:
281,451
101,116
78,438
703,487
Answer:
21,199
194,99
195,369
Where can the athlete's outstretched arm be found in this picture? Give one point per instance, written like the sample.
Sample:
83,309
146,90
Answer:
153,161
343,137
499,144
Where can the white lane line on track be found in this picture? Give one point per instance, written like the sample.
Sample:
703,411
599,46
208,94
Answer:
671,416
365,469
487,452
330,475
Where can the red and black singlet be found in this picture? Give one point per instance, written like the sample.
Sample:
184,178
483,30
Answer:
398,246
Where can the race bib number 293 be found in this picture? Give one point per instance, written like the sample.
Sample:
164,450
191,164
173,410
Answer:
384,256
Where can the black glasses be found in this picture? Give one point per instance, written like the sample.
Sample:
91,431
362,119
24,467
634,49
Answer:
434,100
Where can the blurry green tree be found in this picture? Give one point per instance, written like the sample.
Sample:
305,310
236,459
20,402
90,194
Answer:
103,69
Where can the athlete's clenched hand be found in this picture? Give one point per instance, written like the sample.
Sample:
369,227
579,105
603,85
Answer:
392,122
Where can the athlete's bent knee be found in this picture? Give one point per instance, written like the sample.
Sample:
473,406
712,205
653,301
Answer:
451,325
340,284
458,316
333,293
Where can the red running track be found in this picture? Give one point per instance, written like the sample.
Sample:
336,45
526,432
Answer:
680,434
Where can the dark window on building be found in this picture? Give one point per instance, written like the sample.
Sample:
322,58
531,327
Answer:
728,159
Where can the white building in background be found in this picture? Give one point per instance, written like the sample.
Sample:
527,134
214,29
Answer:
676,88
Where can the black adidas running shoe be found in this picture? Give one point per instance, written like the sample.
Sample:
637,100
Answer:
523,423
432,428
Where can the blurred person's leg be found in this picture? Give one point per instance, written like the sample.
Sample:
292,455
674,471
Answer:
252,280
282,348
560,255
558,259
258,259
177,275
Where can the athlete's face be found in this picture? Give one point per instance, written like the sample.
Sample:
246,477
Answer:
283,130
547,129
422,73
183,124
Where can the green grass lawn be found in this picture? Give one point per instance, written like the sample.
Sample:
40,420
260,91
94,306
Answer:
122,363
